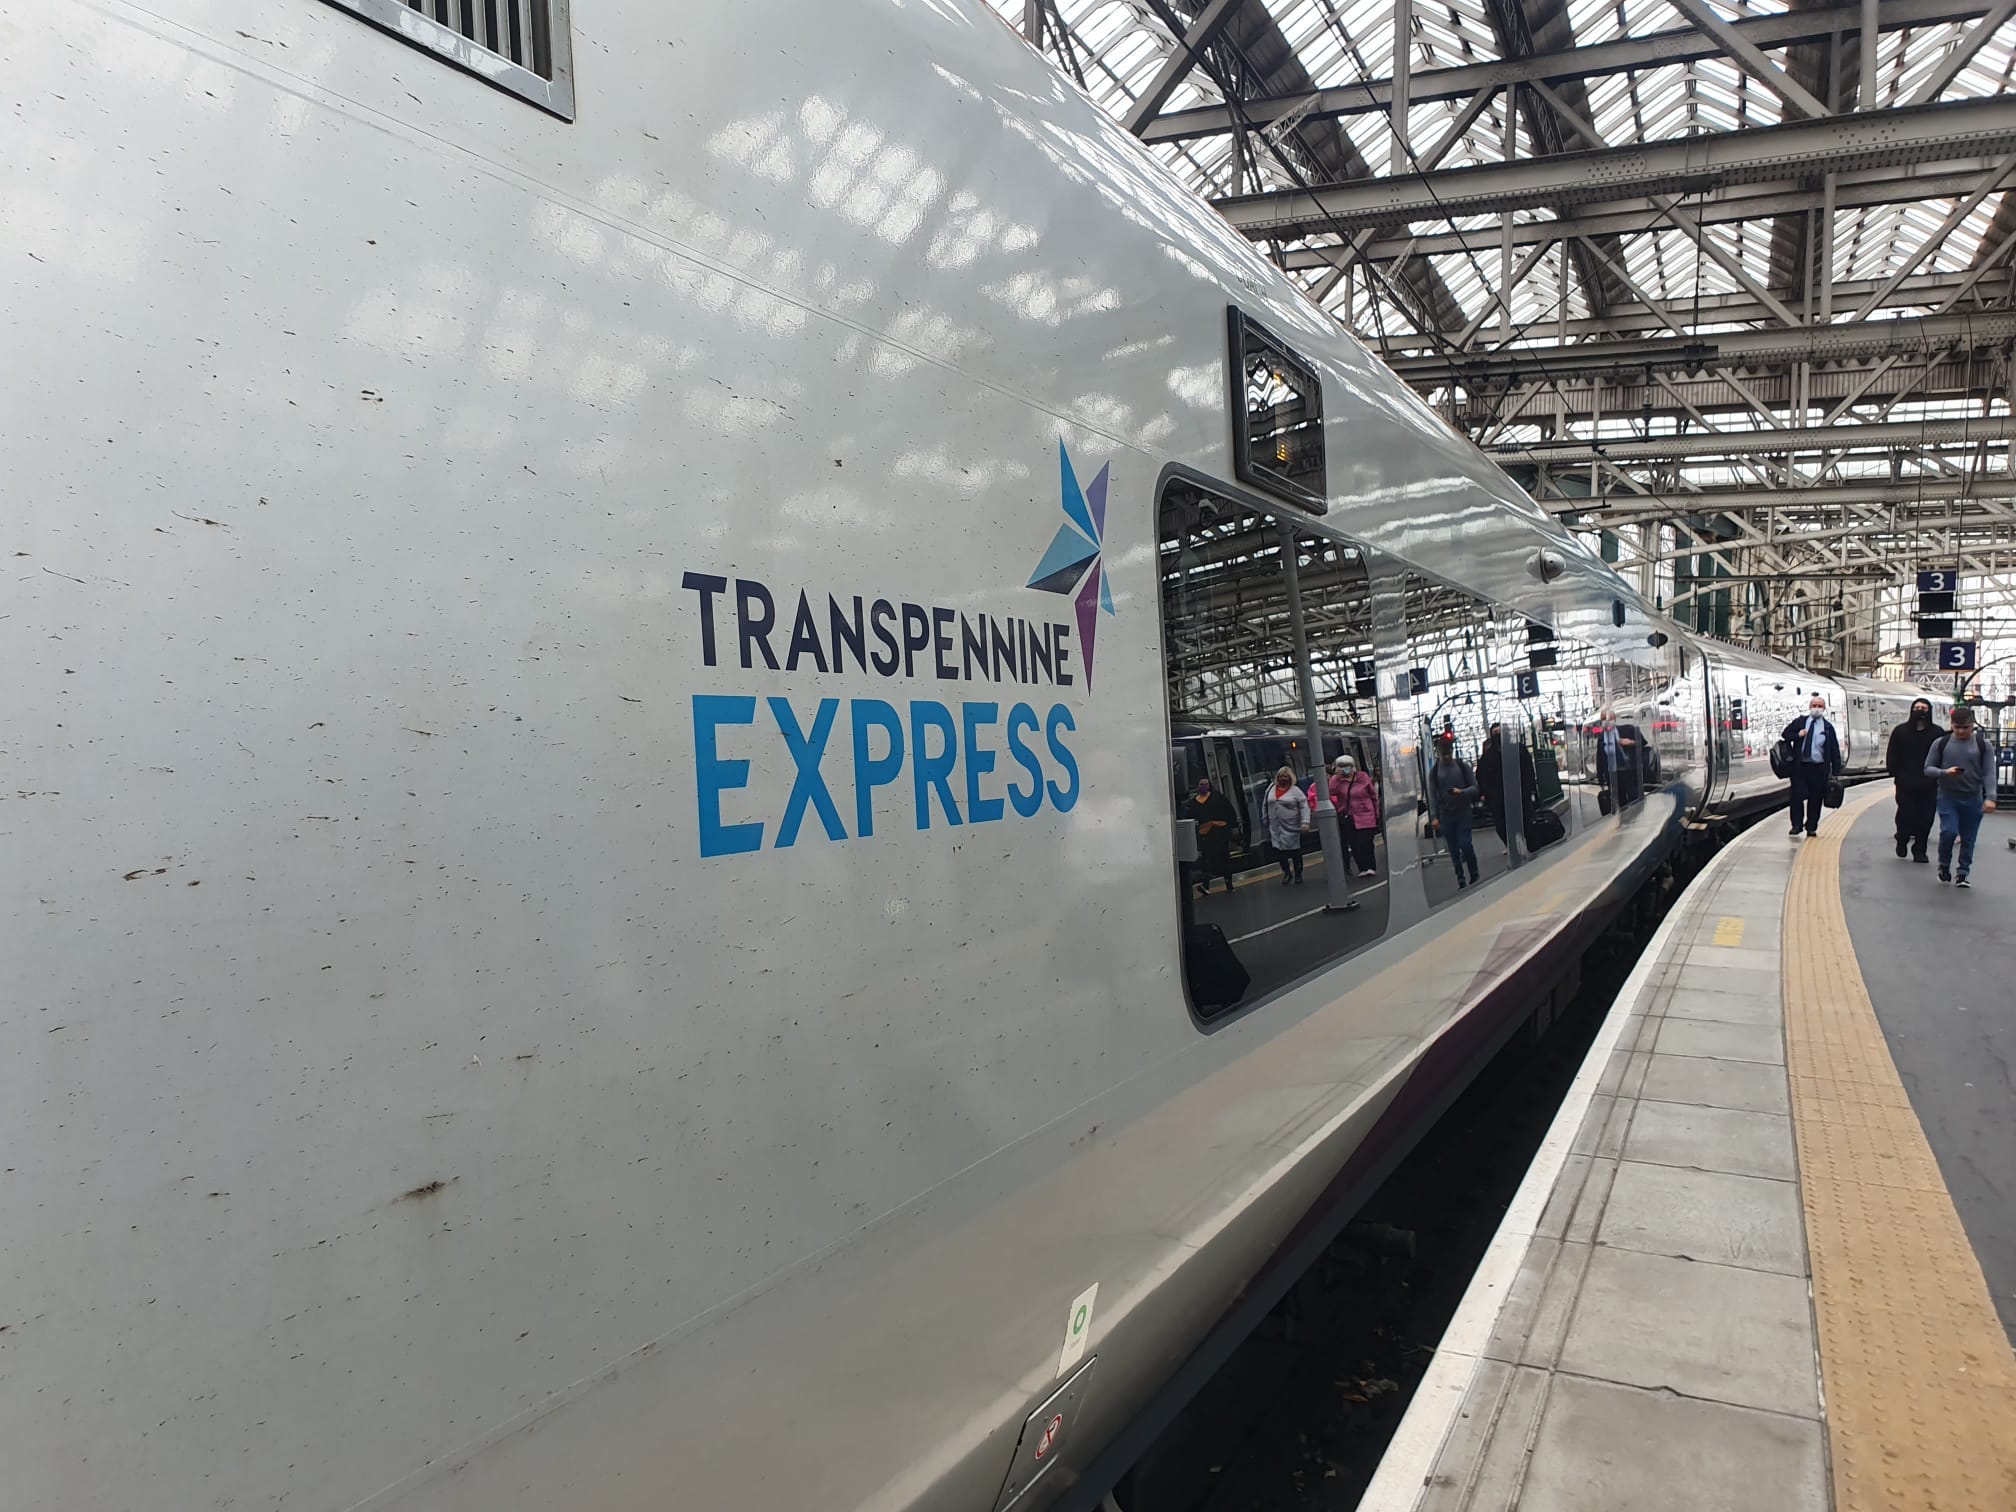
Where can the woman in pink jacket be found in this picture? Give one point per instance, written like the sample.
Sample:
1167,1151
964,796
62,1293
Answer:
1355,796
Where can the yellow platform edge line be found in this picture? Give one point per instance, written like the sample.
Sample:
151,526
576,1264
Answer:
1918,1378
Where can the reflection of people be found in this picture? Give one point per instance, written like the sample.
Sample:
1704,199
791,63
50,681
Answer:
1287,814
1355,796
1620,758
1452,787
1917,794
1213,814
1491,779
1817,757
1963,764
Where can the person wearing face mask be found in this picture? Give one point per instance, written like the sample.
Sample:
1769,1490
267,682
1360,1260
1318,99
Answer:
1355,796
1620,761
1452,787
1213,815
1816,761
1286,812
1917,794
1491,782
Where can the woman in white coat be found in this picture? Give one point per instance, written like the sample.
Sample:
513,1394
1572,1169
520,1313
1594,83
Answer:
1286,814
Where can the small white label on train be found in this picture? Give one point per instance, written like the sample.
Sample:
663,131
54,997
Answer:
1077,1328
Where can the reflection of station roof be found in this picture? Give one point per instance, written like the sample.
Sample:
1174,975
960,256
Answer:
1703,273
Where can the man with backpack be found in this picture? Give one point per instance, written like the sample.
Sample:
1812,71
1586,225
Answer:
1963,765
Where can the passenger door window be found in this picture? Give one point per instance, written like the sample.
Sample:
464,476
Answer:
1456,669
1257,898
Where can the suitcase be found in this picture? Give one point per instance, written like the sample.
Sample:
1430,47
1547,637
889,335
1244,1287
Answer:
1833,796
1544,828
1217,980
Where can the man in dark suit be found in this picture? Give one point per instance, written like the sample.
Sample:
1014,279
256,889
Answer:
1816,758
1620,759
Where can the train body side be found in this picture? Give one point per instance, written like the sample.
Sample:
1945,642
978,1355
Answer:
457,1058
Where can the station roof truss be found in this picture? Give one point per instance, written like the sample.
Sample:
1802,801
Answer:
1729,283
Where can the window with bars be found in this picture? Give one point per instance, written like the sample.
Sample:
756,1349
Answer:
522,46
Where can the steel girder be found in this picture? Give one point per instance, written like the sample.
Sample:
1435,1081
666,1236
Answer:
1830,393
1624,56
1689,165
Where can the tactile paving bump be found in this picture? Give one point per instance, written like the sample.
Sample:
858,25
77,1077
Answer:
1919,1381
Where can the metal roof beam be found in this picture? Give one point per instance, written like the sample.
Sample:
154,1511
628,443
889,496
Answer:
1963,54
1660,505
1625,55
1921,291
1819,438
1182,58
1750,58
1637,214
1540,400
1687,165
1837,343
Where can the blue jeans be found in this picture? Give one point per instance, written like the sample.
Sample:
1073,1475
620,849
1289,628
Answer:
1456,832
1959,819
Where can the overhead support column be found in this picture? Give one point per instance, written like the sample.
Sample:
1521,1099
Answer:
1506,277
1403,73
1870,36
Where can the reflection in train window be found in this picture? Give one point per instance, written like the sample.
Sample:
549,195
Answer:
1478,781
1278,405
1600,717
1267,635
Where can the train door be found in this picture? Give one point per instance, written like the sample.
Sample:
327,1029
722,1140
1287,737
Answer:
1262,757
1719,722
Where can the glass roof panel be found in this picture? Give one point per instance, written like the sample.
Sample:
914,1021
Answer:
1119,45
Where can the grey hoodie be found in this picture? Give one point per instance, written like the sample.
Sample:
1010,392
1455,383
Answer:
1973,756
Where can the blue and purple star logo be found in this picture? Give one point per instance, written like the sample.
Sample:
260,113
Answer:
1073,564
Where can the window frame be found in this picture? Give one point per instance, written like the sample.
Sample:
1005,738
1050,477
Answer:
1267,508
1239,326
555,96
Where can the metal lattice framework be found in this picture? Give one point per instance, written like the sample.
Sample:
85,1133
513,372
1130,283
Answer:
1730,284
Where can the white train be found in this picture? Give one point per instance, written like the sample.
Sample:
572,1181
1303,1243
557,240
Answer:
593,904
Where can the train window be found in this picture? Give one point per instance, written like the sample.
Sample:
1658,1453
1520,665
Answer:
521,46
1267,640
1277,404
1479,772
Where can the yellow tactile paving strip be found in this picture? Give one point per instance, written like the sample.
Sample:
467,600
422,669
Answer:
1919,1382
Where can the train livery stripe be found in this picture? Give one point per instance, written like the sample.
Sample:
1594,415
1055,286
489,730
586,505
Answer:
1920,1382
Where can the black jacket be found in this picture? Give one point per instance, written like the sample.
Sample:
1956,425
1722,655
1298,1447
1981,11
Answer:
1491,778
1796,733
1904,758
1216,810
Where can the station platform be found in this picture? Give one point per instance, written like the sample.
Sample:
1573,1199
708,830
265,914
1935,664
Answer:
1765,1260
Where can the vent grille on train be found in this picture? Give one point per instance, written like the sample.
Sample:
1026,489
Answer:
518,45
